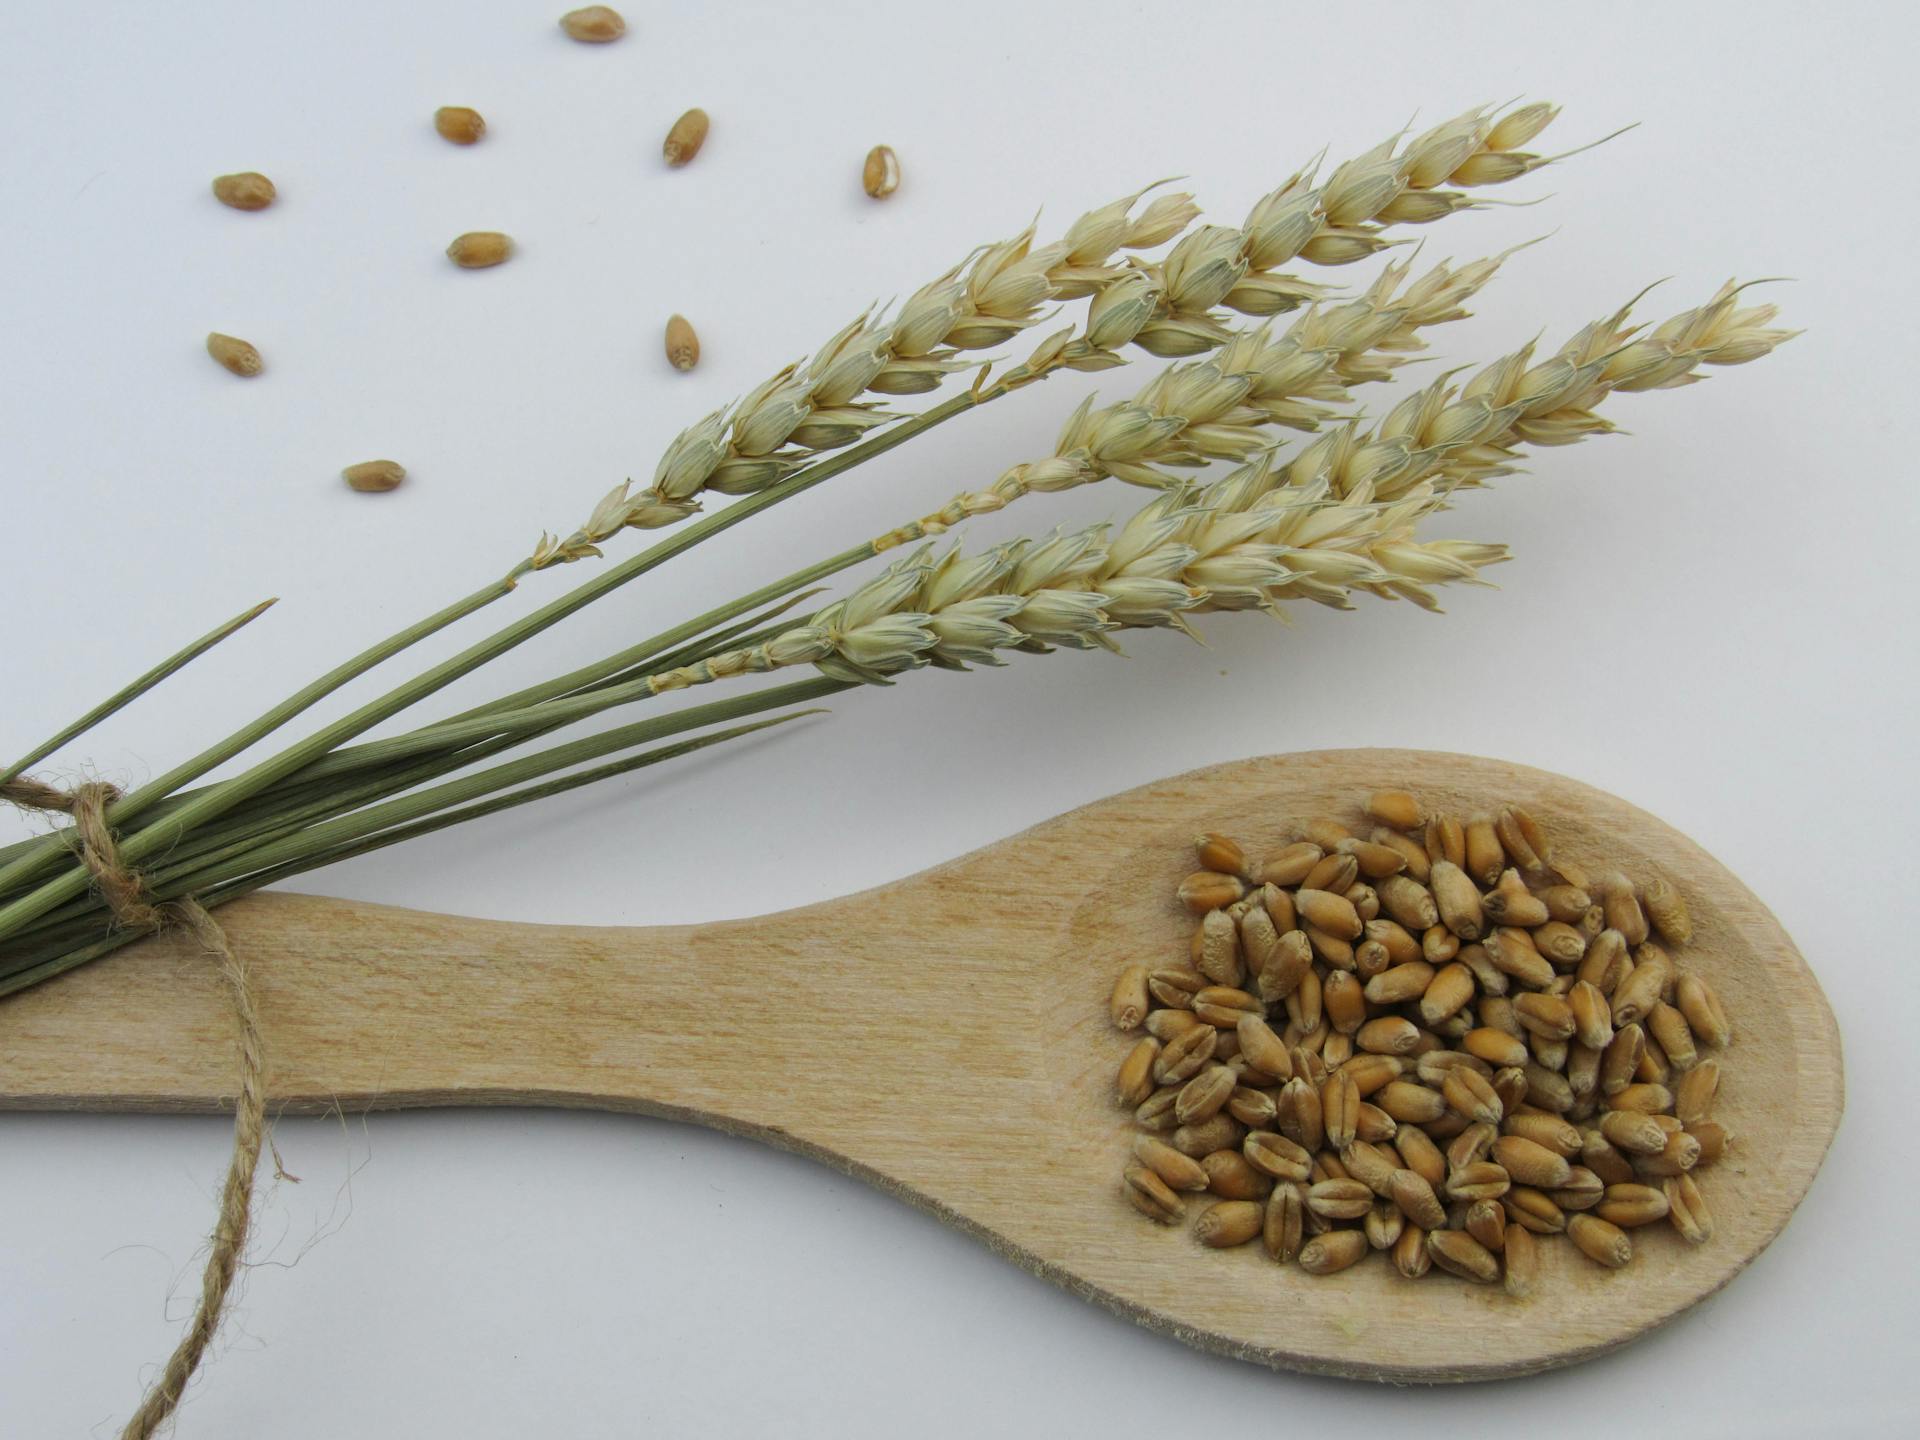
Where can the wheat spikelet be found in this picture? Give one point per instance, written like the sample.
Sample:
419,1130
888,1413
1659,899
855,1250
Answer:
1335,223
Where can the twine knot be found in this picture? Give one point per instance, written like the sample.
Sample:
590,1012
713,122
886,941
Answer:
32,794
127,898
119,886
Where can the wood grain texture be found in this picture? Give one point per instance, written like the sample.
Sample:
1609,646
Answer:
945,1038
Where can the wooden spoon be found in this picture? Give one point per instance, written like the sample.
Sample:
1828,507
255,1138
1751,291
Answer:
946,1038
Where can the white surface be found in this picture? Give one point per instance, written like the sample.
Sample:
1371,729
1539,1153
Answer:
1710,617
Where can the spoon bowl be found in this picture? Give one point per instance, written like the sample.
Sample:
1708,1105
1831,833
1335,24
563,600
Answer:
945,1037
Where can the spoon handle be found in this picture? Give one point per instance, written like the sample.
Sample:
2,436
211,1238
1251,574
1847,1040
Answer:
364,1007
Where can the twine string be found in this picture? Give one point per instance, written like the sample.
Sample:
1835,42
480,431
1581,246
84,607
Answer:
126,897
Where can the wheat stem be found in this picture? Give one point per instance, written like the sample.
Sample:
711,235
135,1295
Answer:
58,954
45,852
127,694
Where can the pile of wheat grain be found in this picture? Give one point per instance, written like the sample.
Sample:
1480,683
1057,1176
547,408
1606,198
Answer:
1476,1045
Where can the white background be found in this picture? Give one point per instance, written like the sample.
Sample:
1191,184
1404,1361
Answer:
1711,617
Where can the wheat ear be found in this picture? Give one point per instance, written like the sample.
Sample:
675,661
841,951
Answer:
1462,435
1168,309
1315,530
1339,515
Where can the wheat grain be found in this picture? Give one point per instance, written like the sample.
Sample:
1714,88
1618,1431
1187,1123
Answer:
1583,1190
459,124
1149,1194
1669,1027
1703,1011
682,343
1687,1209
1184,1055
1175,985
1511,903
1520,1256
1340,1199
1384,1224
1204,1096
1459,1253
480,249
1622,907
1396,808
1534,1210
1666,908
1679,1154
1421,1155
1417,864
1599,1241
1713,1138
1333,874
1486,1223
1129,1002
880,172
1135,1083
1222,853
1155,1113
1228,1173
594,24
246,190
1630,1205
1332,1252
235,355
1178,1171
685,138
1521,839
1253,1108
374,476
1218,937
1205,890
